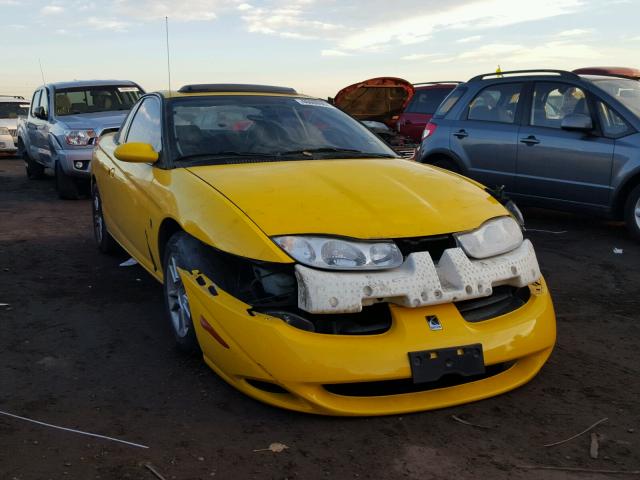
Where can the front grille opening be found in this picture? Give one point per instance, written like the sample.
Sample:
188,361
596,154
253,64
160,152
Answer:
503,300
435,245
406,385
265,386
372,320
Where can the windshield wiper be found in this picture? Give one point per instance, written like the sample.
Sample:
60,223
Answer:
225,154
346,151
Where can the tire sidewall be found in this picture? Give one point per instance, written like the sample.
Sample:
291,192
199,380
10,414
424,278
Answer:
105,244
189,342
629,212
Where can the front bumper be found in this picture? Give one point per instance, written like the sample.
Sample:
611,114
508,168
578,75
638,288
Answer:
259,347
75,162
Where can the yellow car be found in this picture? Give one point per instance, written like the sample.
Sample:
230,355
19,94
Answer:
314,269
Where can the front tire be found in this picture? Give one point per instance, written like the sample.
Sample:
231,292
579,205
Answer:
66,185
175,296
104,240
632,212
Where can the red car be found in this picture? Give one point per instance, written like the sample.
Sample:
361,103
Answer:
425,101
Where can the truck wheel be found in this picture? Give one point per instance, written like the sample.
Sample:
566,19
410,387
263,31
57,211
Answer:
34,169
66,185
104,240
175,296
632,212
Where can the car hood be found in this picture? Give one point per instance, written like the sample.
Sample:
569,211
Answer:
379,99
372,198
97,121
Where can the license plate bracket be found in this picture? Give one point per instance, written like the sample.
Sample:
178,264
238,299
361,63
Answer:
432,365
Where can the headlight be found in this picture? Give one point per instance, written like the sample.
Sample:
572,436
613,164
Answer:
339,254
79,137
494,237
4,131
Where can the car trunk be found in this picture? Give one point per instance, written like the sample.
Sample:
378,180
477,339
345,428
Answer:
380,99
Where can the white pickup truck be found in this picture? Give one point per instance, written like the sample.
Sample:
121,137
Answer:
11,108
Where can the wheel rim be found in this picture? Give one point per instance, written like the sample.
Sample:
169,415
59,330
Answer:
177,299
636,212
98,221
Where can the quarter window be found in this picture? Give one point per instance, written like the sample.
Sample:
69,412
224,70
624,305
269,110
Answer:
145,126
553,101
497,103
612,124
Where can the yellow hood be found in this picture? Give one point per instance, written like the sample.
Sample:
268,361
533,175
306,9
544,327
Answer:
377,198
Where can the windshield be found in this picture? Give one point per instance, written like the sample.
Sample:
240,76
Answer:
74,101
625,91
215,129
13,109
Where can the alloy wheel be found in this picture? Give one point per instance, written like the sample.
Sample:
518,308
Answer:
98,221
177,300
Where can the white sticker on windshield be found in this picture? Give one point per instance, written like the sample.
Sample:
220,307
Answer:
127,89
24,106
313,103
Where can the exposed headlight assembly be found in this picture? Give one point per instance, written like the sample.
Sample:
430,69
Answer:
4,131
79,137
339,254
496,236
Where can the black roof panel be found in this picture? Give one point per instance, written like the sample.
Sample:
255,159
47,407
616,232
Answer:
234,87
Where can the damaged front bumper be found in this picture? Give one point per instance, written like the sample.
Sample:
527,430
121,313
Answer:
418,282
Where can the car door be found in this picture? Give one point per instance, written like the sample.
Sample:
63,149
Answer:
485,137
42,130
32,126
130,183
560,166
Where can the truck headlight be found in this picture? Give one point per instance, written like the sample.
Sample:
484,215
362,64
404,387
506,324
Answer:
4,131
79,137
494,237
339,254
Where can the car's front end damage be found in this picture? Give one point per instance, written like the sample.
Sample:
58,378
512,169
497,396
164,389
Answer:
440,329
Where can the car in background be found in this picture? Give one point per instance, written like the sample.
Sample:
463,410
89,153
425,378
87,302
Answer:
552,138
11,108
378,103
64,123
311,267
423,104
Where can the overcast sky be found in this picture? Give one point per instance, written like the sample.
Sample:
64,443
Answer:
315,46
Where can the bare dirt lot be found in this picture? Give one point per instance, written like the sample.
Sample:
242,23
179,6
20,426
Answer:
84,344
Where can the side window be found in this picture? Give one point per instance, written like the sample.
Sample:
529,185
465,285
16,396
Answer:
44,101
145,126
450,101
553,101
35,102
497,103
612,124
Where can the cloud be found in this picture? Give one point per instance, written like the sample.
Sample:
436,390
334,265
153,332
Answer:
420,56
550,52
185,11
51,10
576,32
106,23
334,53
474,38
482,14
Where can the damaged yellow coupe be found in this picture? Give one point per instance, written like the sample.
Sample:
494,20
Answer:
314,269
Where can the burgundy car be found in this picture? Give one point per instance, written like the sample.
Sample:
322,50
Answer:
425,101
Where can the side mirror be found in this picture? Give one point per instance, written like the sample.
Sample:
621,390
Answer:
40,113
577,121
136,153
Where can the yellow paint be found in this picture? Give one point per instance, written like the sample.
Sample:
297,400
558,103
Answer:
136,153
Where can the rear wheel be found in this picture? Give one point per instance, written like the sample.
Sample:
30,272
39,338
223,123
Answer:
33,168
103,238
446,163
66,185
175,295
632,212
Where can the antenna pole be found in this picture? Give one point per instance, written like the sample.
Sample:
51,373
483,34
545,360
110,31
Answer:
166,27
41,71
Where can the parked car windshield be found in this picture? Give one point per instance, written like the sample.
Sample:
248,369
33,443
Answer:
625,91
79,100
216,129
13,109
428,100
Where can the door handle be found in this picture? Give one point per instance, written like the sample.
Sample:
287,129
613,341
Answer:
530,140
112,172
461,134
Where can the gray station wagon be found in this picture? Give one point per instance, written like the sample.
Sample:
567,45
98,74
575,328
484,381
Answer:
552,138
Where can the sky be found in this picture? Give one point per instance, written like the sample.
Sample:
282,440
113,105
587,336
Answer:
315,46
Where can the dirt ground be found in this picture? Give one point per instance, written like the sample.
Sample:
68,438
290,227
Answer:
84,344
